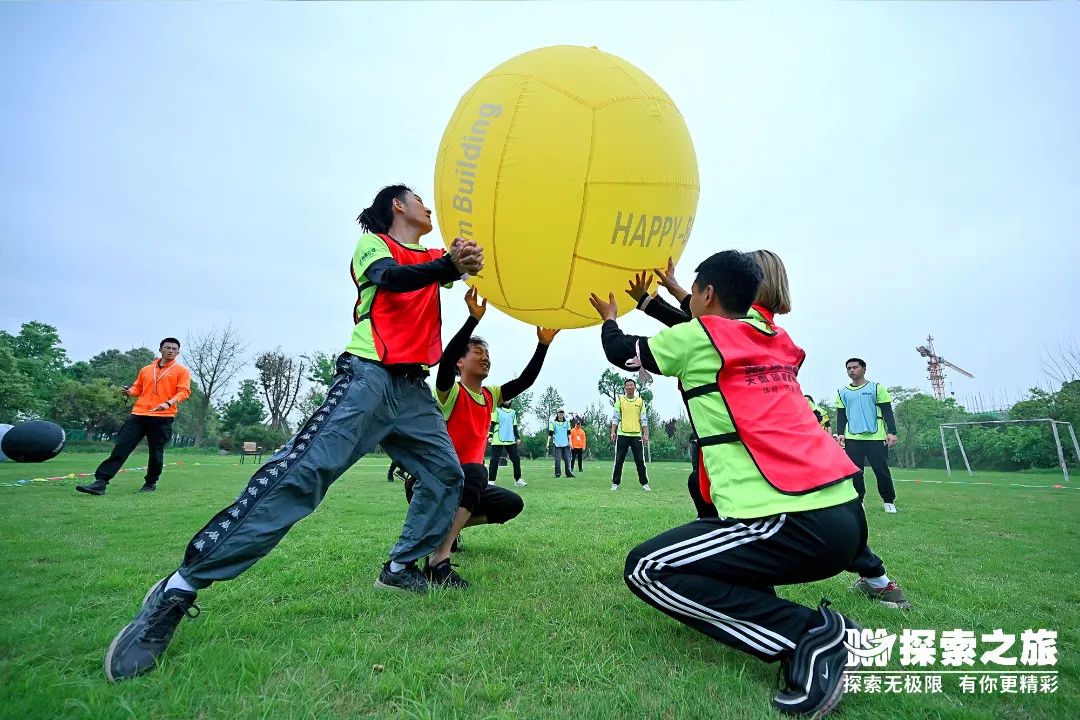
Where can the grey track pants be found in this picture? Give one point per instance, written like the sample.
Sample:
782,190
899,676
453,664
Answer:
365,406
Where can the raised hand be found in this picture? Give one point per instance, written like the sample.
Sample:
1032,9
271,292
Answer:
546,335
639,286
606,310
668,281
476,309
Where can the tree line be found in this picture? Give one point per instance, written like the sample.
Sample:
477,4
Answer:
37,380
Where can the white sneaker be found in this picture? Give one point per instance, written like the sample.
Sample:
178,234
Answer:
521,483
890,508
614,487
491,482
646,487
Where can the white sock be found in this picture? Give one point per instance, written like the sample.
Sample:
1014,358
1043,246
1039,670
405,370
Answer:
396,566
176,582
878,582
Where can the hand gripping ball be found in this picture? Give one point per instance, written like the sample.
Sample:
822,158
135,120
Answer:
574,170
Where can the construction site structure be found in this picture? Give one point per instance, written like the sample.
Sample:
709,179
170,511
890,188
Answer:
934,365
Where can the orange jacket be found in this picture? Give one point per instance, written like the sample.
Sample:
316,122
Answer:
156,385
577,438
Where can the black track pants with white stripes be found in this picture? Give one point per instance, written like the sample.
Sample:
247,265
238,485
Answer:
717,575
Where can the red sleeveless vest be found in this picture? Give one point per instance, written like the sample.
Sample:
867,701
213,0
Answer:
758,383
468,425
406,327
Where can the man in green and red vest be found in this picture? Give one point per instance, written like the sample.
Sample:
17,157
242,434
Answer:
468,405
378,396
786,514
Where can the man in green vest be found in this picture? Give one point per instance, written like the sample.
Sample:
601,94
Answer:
378,396
786,513
866,429
629,429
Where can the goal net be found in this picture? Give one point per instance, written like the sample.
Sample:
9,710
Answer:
1057,427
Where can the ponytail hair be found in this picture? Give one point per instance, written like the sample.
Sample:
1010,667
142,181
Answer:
378,218
773,294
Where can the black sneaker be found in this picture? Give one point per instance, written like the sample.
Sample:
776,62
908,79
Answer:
814,675
139,645
444,575
148,487
570,475
408,578
95,488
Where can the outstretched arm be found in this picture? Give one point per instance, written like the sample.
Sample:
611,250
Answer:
465,257
524,381
388,275
444,380
618,346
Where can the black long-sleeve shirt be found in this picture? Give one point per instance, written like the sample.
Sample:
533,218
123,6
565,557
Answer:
620,347
387,274
659,309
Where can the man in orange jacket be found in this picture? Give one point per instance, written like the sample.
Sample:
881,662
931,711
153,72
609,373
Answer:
160,388
577,444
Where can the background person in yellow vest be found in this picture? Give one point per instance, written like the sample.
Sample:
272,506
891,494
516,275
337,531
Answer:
786,513
577,444
160,387
866,429
629,427
820,413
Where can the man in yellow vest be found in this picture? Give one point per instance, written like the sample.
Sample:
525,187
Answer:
629,427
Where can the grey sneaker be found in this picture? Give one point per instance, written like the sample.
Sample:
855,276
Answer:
890,596
443,575
139,645
148,487
814,674
408,578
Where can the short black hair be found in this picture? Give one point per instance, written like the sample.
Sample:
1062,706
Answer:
170,340
631,380
862,363
378,217
734,277
475,340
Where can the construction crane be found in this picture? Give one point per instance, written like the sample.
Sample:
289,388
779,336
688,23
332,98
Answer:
934,364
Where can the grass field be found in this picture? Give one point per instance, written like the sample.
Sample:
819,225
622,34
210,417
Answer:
548,629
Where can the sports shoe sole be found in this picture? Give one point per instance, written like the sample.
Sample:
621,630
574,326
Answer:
112,645
829,702
380,584
89,492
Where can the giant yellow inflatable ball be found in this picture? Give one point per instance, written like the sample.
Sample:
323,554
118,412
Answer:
574,170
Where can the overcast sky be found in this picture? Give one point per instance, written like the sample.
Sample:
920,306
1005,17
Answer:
168,167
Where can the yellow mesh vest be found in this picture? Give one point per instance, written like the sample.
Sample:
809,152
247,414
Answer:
630,415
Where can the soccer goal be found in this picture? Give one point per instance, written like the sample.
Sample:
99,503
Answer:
955,427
